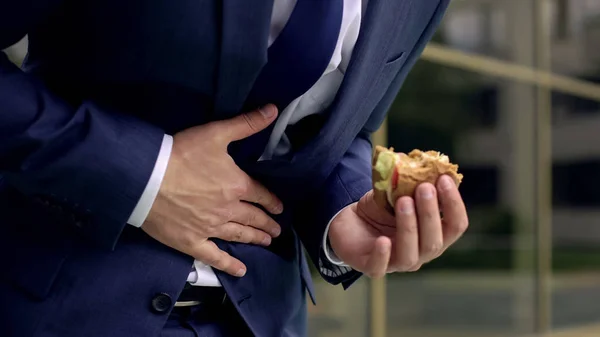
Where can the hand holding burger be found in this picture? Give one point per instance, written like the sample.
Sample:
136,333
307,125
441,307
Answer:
397,226
397,175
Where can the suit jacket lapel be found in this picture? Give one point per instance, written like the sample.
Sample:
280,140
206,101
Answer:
244,43
368,58
375,61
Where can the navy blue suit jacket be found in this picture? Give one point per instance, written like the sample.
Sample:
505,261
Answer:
80,129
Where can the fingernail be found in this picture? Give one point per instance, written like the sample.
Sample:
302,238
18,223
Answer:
278,209
241,272
426,192
276,231
446,183
406,206
267,111
266,241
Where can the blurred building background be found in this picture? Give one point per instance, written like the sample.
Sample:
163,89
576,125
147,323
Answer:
510,89
530,262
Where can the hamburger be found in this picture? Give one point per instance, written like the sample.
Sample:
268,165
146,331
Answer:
396,174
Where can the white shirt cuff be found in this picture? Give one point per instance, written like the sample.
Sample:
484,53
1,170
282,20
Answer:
141,210
329,253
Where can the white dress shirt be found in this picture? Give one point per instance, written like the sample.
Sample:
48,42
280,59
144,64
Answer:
315,100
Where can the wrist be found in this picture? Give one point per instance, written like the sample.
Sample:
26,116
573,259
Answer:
328,246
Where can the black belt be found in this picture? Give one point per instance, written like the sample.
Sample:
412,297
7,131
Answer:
196,295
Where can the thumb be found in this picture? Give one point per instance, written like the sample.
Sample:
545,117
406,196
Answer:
249,123
371,208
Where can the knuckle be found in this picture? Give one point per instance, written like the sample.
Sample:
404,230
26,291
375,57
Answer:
229,193
225,193
408,263
224,214
412,262
251,219
258,190
219,262
433,248
452,203
227,214
428,216
263,239
264,223
408,227
462,226
213,261
251,123
261,199
213,221
187,241
239,188
210,232
204,220
271,227
238,235
457,228
415,268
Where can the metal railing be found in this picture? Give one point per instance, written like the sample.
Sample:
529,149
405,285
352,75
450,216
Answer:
539,75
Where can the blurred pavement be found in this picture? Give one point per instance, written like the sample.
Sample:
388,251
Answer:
460,304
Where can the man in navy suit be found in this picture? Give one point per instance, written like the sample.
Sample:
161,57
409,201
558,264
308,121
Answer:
162,163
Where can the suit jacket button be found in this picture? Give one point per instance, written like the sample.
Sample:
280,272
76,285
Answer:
161,303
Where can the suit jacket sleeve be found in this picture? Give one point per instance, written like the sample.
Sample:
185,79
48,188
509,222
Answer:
351,178
88,163
346,184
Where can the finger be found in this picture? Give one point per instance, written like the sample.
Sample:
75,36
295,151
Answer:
407,235
431,238
208,253
235,232
379,258
376,213
249,215
258,194
247,124
456,220
415,268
